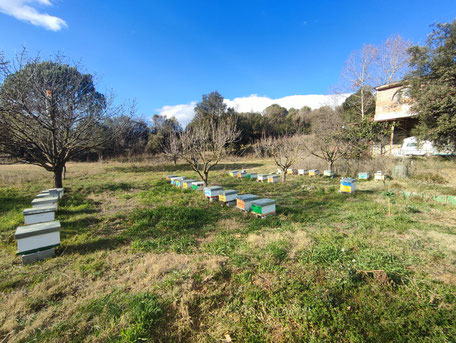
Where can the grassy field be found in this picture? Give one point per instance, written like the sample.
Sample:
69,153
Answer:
143,261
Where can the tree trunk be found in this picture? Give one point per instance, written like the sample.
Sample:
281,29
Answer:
284,175
206,177
175,161
58,171
331,164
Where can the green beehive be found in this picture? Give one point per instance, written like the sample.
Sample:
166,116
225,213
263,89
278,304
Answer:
451,199
263,207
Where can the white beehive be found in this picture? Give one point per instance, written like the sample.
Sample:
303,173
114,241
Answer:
37,237
328,173
279,171
262,177
47,201
303,172
53,192
273,178
212,192
379,176
313,172
39,214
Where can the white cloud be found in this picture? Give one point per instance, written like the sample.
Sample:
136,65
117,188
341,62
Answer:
20,9
183,113
254,103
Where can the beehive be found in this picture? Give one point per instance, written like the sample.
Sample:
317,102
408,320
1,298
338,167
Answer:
213,192
379,176
292,171
47,201
54,192
263,207
39,214
187,184
303,172
313,172
173,179
198,186
347,185
328,173
37,237
179,182
363,176
228,195
233,173
273,178
244,202
169,177
242,174
252,176
279,171
262,177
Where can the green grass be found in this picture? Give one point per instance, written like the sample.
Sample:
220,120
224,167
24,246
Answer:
143,261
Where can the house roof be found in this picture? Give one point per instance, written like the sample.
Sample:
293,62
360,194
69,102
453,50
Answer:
390,85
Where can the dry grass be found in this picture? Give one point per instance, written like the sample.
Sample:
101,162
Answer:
204,295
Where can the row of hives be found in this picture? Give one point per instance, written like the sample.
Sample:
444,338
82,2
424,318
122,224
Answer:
37,239
260,207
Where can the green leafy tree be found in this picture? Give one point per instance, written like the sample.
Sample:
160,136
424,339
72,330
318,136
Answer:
433,86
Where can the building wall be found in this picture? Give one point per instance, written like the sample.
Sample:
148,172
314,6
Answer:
391,104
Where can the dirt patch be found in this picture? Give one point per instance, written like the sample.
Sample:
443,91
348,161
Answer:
109,204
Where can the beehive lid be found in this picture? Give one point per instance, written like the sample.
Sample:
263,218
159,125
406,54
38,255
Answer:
274,175
233,171
379,172
38,210
37,229
253,174
198,183
44,200
263,202
214,188
247,197
230,192
348,179
171,176
189,181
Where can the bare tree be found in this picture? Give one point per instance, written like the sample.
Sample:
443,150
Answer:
50,112
360,72
393,59
204,145
327,141
172,147
285,151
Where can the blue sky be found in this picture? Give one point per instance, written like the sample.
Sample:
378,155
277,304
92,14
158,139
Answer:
165,53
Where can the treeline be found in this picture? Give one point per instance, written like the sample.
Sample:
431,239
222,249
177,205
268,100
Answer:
132,136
